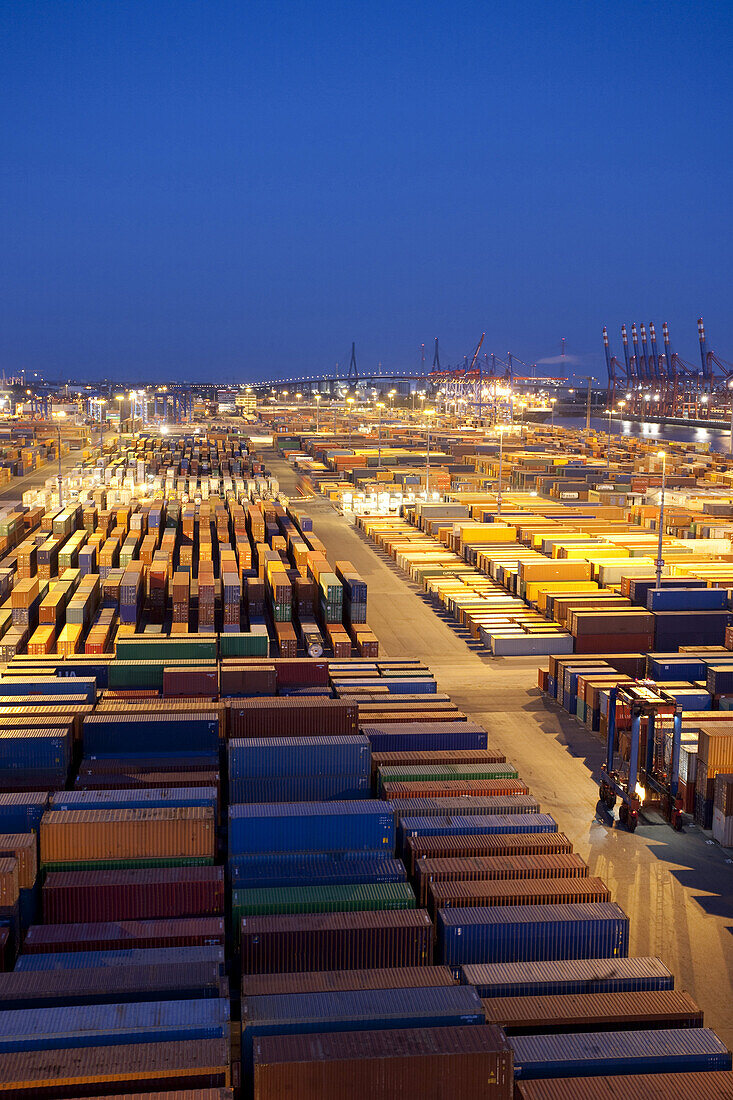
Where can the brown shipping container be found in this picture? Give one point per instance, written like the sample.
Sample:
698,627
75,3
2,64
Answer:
191,681
71,897
473,1063
185,1094
717,1085
501,844
437,756
564,891
175,832
22,847
55,1074
115,935
8,882
653,1008
451,788
332,941
292,717
329,981
476,868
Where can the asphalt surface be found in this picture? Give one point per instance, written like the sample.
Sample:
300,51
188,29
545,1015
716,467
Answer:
677,888
38,478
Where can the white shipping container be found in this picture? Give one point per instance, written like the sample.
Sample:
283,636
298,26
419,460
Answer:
722,829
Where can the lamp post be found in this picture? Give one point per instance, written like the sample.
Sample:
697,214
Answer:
660,561
119,398
553,402
501,468
380,406
350,402
60,416
730,387
428,413
608,451
318,407
391,399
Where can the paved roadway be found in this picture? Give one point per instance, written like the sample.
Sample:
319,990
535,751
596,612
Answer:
676,888
38,478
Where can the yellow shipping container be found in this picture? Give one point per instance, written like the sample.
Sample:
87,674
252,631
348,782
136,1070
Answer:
715,748
175,832
70,638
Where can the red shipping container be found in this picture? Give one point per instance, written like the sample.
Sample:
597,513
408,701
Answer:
191,681
71,897
292,717
115,935
335,941
473,1063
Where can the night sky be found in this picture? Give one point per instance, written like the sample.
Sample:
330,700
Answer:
238,190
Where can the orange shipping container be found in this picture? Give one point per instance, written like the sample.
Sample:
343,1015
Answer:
176,832
9,888
23,848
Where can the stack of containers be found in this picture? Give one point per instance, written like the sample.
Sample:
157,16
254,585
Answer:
714,757
180,593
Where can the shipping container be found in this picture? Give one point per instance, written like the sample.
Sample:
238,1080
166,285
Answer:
441,1062
711,1085
325,981
329,941
560,977
364,825
52,1074
193,932
577,1012
74,897
618,1052
513,933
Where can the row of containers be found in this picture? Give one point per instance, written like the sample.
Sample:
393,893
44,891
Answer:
79,578
343,881
529,580
695,685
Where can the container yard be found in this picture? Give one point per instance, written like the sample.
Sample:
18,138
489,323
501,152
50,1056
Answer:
289,791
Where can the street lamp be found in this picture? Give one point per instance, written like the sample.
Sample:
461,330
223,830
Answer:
428,413
391,398
660,562
380,406
553,402
501,468
730,387
350,402
608,452
119,398
60,416
318,406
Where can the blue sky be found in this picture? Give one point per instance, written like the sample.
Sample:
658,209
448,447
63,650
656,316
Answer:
237,190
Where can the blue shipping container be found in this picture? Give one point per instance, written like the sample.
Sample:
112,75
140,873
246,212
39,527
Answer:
364,825
124,734
559,977
300,788
145,798
257,757
21,812
147,956
359,1010
425,736
618,1053
513,933
49,685
113,1025
481,824
687,599
35,749
317,869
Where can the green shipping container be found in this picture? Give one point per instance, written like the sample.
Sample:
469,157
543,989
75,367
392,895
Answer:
321,899
200,647
243,645
422,773
142,674
126,864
